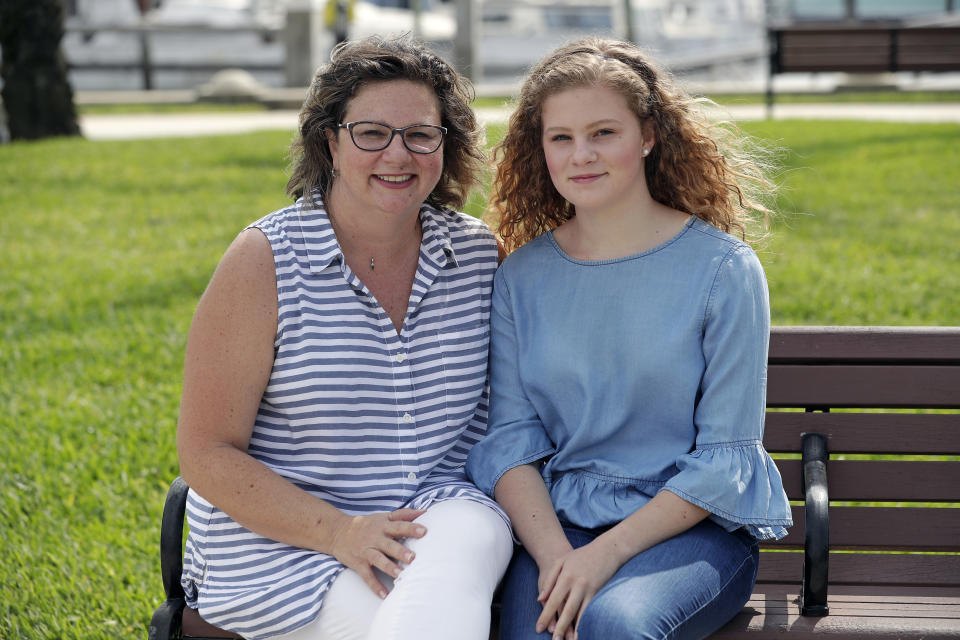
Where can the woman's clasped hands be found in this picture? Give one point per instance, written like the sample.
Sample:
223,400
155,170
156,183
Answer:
569,582
363,543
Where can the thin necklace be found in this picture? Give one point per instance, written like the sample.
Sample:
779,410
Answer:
373,264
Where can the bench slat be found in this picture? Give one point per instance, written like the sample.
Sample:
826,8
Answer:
850,50
819,38
899,433
855,62
839,60
921,570
870,386
197,627
881,480
884,528
930,345
928,50
908,612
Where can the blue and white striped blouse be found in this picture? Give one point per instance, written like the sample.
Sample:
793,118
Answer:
363,417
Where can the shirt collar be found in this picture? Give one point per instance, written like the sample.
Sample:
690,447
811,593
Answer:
436,237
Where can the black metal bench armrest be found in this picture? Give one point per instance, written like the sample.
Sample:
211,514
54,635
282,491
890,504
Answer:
816,544
171,538
167,619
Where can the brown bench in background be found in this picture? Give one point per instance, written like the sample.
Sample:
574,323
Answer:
886,566
860,48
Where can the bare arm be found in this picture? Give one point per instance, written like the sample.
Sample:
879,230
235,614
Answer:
228,363
523,495
666,515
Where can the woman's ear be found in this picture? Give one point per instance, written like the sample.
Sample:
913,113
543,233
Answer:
649,136
332,144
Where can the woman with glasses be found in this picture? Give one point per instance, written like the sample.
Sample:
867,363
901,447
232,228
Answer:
335,376
628,357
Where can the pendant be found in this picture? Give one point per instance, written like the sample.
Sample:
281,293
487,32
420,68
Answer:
371,264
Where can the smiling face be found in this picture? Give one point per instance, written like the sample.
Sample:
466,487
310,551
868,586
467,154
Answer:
594,148
392,181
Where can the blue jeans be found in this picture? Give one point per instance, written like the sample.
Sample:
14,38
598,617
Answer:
685,587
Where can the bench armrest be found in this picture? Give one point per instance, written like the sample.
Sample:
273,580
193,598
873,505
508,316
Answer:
167,619
171,538
816,543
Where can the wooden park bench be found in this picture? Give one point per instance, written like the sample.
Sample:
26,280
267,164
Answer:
875,547
860,48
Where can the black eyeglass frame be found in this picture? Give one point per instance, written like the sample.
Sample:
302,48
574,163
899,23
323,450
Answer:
393,131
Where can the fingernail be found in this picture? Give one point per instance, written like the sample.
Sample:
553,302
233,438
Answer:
408,557
383,594
539,628
420,531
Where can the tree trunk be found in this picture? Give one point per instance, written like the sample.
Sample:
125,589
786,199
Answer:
36,92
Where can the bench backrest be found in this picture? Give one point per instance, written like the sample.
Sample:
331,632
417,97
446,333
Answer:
864,49
861,387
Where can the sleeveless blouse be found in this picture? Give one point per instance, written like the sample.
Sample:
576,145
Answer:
354,413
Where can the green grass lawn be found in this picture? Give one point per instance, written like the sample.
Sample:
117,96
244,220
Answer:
868,225
106,247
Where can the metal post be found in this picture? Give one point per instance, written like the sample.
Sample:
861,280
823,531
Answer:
628,34
850,9
768,26
417,31
773,65
146,62
464,51
299,33
341,24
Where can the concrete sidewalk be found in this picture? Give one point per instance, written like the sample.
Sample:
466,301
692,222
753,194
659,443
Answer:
167,125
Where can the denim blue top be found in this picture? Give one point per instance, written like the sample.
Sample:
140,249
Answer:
635,375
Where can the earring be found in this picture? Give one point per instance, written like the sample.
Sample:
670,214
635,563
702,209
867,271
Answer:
646,151
333,172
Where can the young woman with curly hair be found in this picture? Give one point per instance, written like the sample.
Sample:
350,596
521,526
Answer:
628,357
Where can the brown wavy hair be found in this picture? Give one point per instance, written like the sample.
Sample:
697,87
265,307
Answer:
374,59
707,169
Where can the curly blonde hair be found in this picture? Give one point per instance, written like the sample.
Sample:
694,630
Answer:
700,167
374,59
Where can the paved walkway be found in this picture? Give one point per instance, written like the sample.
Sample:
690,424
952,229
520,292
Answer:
128,126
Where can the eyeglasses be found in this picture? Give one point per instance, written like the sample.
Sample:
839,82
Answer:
374,136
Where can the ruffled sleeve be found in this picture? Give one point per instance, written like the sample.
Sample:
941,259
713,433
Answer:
728,472
515,435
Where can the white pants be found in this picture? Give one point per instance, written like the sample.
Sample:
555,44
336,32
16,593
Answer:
444,593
